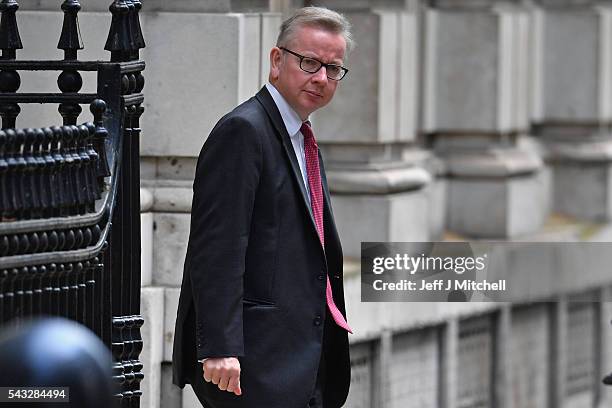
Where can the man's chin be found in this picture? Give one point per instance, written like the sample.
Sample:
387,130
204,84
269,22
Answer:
309,106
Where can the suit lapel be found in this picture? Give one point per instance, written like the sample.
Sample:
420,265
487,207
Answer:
264,97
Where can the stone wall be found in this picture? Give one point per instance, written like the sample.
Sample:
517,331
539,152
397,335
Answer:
458,119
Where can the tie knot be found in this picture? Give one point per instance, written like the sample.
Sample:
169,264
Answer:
307,131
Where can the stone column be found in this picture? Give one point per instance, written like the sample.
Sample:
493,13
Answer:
559,332
475,117
572,100
502,386
368,133
450,347
605,311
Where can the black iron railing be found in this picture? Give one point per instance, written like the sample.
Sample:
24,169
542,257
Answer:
69,194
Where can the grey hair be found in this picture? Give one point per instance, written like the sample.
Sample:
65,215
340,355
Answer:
319,17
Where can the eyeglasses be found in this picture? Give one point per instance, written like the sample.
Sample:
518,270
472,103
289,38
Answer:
313,65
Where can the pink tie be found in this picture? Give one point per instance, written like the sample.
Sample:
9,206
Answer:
311,153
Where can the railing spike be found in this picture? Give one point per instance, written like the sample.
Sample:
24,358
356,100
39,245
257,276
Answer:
70,39
10,41
118,41
139,41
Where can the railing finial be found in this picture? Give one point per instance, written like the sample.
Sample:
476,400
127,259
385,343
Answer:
125,35
97,108
70,39
138,37
118,41
10,41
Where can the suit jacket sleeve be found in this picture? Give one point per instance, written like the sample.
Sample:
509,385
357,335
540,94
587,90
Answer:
226,180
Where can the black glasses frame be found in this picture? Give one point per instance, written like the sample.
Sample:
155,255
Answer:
322,64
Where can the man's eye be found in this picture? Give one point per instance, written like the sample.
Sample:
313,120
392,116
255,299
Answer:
310,64
333,70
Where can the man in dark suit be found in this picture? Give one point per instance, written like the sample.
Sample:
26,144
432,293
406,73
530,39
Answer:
261,317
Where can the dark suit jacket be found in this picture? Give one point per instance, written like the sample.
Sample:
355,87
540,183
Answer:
254,276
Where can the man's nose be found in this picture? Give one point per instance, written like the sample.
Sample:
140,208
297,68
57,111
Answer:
320,75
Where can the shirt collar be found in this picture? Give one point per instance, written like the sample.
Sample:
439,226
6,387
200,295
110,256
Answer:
291,119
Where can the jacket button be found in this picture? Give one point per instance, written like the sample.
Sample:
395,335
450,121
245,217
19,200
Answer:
317,321
337,276
321,277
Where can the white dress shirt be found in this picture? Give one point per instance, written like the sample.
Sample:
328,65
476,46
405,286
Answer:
293,123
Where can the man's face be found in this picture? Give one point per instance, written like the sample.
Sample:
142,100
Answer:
303,91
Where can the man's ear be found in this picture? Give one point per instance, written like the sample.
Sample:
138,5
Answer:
275,62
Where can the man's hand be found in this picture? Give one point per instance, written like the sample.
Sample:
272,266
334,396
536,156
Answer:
225,372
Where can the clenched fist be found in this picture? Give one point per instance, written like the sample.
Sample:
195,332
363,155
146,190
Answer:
225,372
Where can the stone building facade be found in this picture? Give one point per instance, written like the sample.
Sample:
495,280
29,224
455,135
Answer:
459,119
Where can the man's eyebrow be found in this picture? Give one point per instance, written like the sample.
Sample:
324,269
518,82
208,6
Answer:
333,62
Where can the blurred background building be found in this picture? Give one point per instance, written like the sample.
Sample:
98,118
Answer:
459,119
